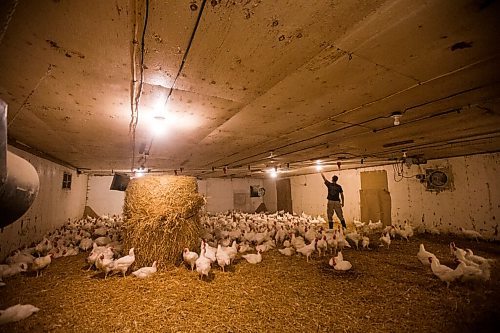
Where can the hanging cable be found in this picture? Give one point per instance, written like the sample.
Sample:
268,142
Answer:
18,112
6,20
184,57
136,93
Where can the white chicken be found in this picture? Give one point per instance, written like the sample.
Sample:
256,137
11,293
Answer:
469,255
280,235
253,258
44,246
424,255
40,263
340,265
189,257
374,226
70,251
445,273
297,242
322,246
359,224
365,242
232,251
307,250
340,256
122,264
145,272
262,248
209,251
102,241
96,252
472,234
101,232
245,247
456,251
342,241
471,273
385,239
85,244
404,233
460,254
17,312
310,234
12,269
104,264
203,265
287,251
261,237
354,237
222,257
20,256
333,243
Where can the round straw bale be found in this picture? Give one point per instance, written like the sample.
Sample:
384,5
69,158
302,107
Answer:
161,217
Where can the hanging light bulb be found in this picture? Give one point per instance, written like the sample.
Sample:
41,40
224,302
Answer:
158,125
397,117
319,167
273,172
139,172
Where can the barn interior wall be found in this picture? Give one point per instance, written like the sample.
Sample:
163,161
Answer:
230,194
474,203
52,207
103,200
221,194
270,198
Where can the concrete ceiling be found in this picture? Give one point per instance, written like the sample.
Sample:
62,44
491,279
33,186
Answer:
250,84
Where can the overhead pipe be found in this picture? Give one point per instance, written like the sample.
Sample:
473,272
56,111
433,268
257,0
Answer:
19,180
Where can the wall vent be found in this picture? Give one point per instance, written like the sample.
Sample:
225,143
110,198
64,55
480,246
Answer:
439,179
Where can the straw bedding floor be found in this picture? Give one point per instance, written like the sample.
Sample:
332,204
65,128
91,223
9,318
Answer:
387,291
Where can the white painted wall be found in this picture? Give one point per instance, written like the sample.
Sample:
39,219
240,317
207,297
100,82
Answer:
309,193
474,204
220,193
52,207
103,200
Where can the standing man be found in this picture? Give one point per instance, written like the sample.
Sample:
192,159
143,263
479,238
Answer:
335,193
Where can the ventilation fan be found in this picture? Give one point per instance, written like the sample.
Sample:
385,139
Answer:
439,179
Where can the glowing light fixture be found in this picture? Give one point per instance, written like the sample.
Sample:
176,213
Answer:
273,172
397,117
140,172
319,167
158,125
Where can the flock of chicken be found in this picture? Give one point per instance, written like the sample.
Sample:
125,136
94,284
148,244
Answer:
470,267
225,237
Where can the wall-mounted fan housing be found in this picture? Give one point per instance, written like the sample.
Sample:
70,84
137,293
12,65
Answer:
439,179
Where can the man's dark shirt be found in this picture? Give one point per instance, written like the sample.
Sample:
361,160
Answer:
334,191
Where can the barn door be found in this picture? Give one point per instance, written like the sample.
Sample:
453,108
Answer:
284,195
375,198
